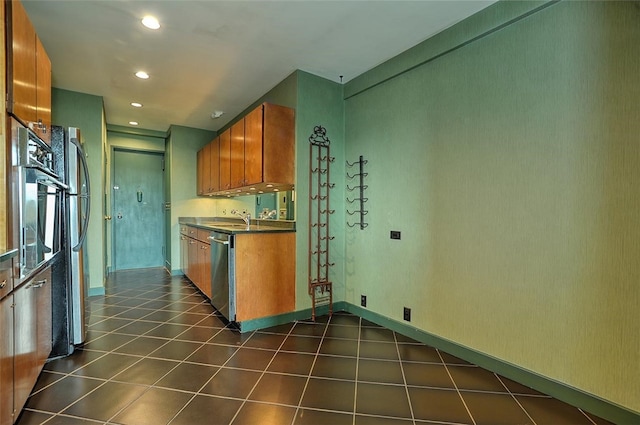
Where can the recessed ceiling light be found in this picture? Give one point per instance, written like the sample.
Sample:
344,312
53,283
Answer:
136,104
143,75
133,122
150,22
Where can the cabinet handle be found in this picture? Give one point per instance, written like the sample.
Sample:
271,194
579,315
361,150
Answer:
220,241
3,284
39,283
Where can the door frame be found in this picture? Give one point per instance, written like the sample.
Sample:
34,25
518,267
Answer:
110,228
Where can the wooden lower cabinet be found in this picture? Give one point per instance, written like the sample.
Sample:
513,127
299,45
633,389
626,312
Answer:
204,268
6,360
195,257
44,326
193,269
184,254
25,361
32,334
265,274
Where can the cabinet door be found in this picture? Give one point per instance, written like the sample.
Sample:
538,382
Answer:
23,64
184,254
215,165
192,268
43,93
225,160
204,263
6,277
265,274
6,360
199,172
42,287
253,147
25,343
278,134
206,169
237,154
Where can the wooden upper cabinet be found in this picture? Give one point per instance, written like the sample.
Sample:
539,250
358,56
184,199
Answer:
214,182
237,154
22,64
206,169
199,173
43,93
278,144
29,74
256,153
253,147
225,160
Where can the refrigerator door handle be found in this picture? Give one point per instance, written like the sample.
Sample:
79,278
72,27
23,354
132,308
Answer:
85,218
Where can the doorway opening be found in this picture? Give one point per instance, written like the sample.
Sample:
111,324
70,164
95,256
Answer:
137,209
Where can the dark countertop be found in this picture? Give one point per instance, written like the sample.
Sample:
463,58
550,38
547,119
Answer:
237,226
5,255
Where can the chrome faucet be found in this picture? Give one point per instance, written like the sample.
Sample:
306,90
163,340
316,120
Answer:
246,217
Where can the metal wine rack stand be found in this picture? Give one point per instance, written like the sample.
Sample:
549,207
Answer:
320,287
361,187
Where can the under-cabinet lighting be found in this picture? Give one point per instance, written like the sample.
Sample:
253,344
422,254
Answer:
151,22
133,122
142,75
136,104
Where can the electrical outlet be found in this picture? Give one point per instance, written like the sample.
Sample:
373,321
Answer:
363,300
407,314
395,234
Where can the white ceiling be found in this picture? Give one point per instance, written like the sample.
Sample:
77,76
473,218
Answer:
222,55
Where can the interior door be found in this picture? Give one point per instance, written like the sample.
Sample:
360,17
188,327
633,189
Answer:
138,210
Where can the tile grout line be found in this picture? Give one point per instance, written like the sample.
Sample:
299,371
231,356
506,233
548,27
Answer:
355,386
261,374
404,379
514,397
313,364
178,363
150,387
457,389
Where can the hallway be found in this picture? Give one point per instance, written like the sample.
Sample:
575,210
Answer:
158,354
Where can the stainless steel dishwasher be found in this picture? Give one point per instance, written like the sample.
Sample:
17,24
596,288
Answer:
223,274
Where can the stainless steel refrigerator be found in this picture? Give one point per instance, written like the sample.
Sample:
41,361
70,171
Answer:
70,278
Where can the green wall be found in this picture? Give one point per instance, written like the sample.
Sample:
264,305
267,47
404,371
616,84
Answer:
319,102
181,148
507,154
73,109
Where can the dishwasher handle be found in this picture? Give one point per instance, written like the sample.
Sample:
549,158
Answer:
220,241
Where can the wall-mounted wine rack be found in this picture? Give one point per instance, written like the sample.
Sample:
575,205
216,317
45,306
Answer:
361,187
320,159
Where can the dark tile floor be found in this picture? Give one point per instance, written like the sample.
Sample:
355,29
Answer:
158,354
